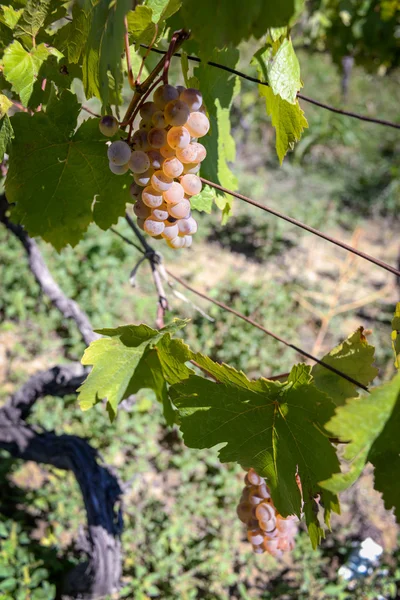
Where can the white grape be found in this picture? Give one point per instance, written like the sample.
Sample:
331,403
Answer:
180,210
139,140
161,182
143,179
174,194
141,210
192,98
156,159
176,113
188,155
167,152
197,124
172,167
157,138
160,213
191,168
164,94
158,119
135,190
153,227
188,241
201,151
191,184
187,226
146,125
108,125
139,162
152,197
119,153
171,231
147,110
118,169
176,243
178,137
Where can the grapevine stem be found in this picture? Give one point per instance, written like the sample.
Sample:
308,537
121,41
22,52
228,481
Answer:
141,89
147,54
131,79
308,228
345,113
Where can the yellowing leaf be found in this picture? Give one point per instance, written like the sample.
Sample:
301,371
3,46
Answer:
5,104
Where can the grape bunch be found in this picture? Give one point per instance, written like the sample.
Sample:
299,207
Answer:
164,156
267,530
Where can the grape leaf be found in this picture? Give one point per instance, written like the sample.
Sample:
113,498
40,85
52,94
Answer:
278,65
163,9
219,88
32,18
96,36
288,119
10,16
203,202
21,67
141,26
277,428
370,426
60,180
396,336
130,358
235,20
355,358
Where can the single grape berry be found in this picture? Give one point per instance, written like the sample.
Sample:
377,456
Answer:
139,162
176,243
172,167
171,230
108,125
158,119
119,153
161,182
157,138
156,159
191,168
143,179
141,210
191,184
167,152
197,124
176,112
187,226
181,210
118,169
153,227
174,194
164,94
160,213
178,137
151,197
147,110
135,190
192,98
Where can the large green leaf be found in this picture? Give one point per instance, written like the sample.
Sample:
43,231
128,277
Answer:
21,68
60,180
141,26
130,358
370,428
355,358
218,23
163,9
277,428
396,336
32,18
219,88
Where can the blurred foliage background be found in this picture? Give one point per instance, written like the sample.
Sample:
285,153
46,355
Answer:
182,539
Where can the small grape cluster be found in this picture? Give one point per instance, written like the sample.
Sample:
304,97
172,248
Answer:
267,530
164,157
